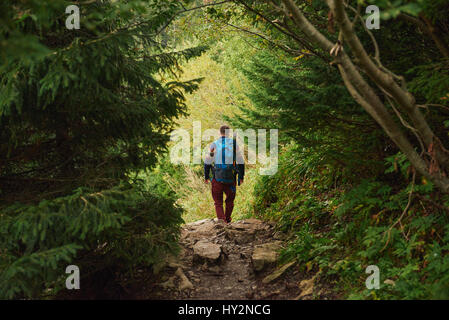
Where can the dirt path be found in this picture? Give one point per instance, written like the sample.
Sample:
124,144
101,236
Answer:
235,261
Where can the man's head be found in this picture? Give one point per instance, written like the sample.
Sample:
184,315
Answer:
224,130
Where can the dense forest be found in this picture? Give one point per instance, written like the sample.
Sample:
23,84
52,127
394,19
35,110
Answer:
86,117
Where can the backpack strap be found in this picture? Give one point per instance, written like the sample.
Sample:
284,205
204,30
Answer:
234,159
223,145
234,147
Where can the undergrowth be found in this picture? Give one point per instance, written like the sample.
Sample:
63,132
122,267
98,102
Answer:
337,230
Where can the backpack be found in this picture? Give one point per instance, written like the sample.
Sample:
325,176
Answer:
224,158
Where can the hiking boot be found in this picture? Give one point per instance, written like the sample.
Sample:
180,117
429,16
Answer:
220,221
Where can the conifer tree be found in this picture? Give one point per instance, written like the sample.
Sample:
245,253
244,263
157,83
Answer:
81,112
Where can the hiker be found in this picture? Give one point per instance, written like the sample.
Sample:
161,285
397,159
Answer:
228,165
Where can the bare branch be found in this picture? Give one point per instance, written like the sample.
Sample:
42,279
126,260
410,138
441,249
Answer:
384,80
188,10
279,45
410,198
288,32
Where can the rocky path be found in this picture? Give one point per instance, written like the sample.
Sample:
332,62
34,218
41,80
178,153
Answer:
235,261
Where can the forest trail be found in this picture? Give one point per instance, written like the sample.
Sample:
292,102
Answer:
234,261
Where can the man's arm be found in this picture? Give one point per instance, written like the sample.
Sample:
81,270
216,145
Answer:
208,163
241,171
207,168
240,164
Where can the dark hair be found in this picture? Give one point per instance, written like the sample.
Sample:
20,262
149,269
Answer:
223,129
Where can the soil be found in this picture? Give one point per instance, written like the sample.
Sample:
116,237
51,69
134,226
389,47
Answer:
232,275
217,261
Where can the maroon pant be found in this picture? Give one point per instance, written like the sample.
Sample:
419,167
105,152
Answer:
217,193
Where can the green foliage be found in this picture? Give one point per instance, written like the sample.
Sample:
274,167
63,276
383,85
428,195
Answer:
81,112
391,9
337,231
85,117
308,103
343,192
125,228
432,81
218,96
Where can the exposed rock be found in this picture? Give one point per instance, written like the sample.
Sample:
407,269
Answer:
169,261
174,262
169,284
159,266
200,271
240,237
207,251
306,287
245,231
252,221
390,282
249,224
265,255
199,222
185,282
208,228
277,273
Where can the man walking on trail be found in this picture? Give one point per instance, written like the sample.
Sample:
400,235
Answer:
228,165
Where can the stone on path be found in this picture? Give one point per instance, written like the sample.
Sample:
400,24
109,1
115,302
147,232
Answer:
228,261
265,255
277,273
185,282
169,284
240,237
207,228
207,251
199,222
244,231
168,261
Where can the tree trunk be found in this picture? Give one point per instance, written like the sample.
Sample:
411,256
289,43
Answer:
366,96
